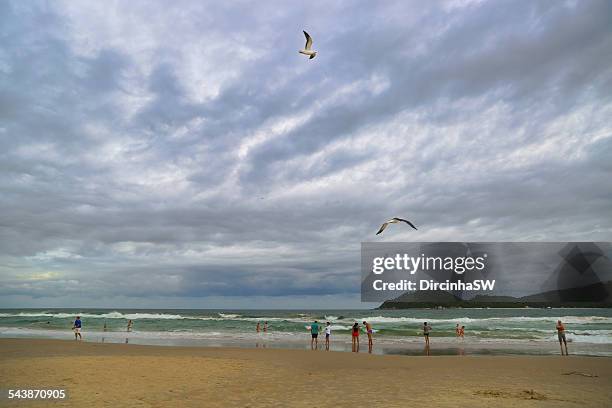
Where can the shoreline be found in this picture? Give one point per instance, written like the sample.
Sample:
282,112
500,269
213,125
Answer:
342,343
97,375
60,343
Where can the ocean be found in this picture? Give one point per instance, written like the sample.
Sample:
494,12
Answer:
487,331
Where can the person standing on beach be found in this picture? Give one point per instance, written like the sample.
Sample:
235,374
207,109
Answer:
327,335
104,329
426,331
314,332
561,336
355,337
369,331
76,327
257,328
265,327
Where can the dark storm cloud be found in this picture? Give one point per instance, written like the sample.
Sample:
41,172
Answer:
191,152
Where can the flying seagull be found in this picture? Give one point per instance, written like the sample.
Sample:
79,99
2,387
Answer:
308,47
394,220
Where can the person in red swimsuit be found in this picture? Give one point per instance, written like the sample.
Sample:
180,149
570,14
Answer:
355,336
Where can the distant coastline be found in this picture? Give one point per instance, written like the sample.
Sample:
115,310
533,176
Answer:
394,305
565,298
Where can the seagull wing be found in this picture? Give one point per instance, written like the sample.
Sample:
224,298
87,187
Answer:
407,222
382,228
308,41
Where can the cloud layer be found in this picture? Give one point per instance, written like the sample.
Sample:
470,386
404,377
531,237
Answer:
187,155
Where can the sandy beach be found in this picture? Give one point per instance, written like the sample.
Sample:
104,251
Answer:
97,375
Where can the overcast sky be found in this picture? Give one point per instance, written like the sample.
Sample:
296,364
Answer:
184,154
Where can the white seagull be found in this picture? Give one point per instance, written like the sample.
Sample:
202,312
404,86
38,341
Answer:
394,220
308,47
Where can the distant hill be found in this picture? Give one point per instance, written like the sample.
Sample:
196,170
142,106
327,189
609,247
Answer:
428,296
490,298
595,295
597,292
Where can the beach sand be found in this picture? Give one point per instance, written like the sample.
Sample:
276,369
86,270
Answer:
122,375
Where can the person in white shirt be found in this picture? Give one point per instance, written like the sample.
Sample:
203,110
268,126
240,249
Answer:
327,335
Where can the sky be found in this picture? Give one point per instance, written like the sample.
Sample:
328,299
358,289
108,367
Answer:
185,155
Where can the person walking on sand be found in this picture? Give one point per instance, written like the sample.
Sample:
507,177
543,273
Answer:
257,328
327,335
129,326
76,327
561,336
355,337
369,331
426,331
314,333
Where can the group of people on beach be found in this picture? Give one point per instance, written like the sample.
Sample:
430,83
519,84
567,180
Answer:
77,326
460,331
315,328
355,330
314,332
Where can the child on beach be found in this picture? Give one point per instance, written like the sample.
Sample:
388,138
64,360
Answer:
462,332
327,335
257,328
561,336
457,330
265,327
355,337
76,327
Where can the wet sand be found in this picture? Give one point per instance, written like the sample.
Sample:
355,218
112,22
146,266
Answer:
96,375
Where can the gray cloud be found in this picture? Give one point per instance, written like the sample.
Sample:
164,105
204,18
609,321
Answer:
190,154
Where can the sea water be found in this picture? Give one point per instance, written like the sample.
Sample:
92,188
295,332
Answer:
487,331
